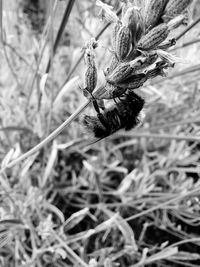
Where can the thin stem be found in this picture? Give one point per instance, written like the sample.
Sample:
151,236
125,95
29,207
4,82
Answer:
189,27
180,73
49,138
157,136
194,41
39,60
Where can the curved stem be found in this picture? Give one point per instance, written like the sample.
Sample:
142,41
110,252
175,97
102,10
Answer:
48,138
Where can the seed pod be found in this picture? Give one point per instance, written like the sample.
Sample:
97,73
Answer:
123,42
174,8
134,21
91,72
120,73
113,64
134,82
153,13
91,78
124,70
154,37
116,27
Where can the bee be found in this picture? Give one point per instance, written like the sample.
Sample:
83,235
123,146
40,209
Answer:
121,115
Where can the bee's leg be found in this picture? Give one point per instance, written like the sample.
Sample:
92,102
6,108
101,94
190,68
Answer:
99,114
89,95
103,121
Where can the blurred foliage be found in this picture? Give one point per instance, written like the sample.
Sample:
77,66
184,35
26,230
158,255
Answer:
129,200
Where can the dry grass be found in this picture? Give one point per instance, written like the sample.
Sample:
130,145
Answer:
129,200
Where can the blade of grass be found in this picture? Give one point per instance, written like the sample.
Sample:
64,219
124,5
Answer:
159,206
39,60
61,30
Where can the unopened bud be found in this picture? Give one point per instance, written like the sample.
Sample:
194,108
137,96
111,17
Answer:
154,37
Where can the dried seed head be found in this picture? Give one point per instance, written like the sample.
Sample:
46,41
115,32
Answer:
123,42
174,8
154,37
154,11
106,12
134,21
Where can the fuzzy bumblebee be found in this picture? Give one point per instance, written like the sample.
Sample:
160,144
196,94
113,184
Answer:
122,115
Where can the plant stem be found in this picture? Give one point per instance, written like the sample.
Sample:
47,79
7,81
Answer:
49,138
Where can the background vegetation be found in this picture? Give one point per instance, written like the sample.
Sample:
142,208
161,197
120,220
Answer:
129,200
